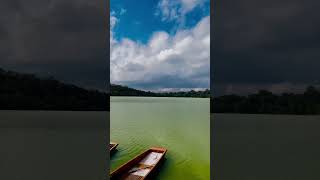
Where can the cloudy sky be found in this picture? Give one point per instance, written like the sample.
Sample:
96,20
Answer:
259,44
160,45
164,45
66,39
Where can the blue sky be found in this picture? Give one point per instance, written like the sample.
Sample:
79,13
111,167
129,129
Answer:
139,19
150,41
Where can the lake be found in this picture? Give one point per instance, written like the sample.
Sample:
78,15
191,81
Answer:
264,147
60,144
182,125
53,145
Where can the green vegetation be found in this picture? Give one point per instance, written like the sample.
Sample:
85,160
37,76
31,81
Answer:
28,92
265,102
118,90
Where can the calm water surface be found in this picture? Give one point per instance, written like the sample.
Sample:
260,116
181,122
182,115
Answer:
51,145
264,147
182,125
59,145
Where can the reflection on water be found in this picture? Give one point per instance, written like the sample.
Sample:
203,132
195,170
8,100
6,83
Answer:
182,125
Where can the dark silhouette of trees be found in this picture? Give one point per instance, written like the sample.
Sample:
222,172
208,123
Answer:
265,102
119,90
28,92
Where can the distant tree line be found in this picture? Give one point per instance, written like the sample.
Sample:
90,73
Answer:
119,90
265,102
28,92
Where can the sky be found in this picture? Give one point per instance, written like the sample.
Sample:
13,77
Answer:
66,39
259,44
164,45
160,45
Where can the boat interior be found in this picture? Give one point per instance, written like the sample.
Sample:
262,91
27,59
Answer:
141,166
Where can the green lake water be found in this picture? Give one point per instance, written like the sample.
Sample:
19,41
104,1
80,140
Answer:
182,125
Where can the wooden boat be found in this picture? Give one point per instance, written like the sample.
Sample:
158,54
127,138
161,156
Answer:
140,167
113,146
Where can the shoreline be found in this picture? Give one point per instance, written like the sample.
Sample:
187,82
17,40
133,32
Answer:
165,97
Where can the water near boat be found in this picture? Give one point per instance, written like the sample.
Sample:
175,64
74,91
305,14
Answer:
182,125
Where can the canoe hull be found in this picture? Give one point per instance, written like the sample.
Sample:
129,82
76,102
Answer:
125,171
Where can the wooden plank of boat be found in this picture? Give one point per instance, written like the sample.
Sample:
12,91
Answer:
140,167
113,146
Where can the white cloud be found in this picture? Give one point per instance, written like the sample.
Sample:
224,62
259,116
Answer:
113,21
188,5
113,17
170,10
167,61
122,11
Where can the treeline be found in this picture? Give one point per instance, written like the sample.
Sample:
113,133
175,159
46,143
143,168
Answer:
28,92
119,90
265,102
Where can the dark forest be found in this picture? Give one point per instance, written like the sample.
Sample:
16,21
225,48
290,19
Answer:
28,92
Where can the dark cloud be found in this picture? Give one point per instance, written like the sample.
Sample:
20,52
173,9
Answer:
169,81
265,44
66,39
